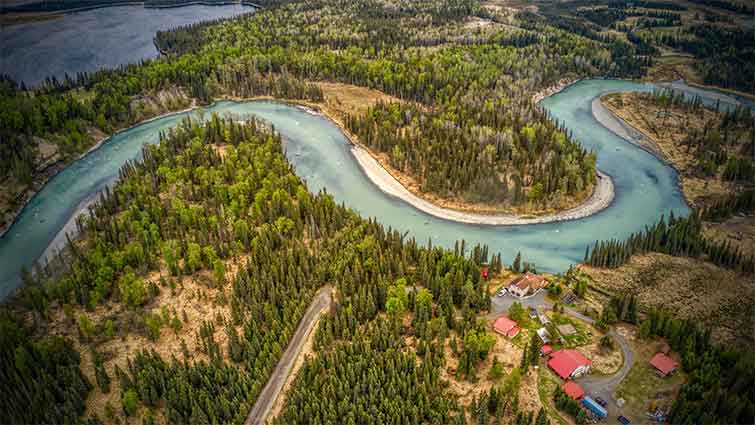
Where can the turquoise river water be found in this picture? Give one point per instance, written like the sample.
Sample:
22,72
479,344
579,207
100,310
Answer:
645,187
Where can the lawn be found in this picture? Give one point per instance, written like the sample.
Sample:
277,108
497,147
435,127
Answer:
581,337
642,384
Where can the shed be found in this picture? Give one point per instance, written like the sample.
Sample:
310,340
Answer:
664,364
545,337
545,350
505,326
573,390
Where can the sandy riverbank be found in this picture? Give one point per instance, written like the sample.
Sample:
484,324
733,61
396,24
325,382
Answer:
623,129
600,199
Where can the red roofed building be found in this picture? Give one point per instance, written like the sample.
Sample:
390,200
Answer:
573,390
527,284
569,363
664,364
505,326
545,350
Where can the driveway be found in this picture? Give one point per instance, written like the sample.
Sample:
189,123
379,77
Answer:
605,386
271,391
598,386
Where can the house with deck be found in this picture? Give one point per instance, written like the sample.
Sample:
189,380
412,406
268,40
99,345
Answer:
526,285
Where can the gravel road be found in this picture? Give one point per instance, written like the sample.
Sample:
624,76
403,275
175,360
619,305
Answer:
272,389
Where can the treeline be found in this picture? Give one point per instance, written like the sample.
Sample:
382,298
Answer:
723,208
679,237
725,55
61,115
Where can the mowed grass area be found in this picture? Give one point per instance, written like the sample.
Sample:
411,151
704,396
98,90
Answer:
643,385
582,335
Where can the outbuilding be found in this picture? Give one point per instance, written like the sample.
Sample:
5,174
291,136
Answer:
573,390
663,364
544,336
507,327
546,350
569,364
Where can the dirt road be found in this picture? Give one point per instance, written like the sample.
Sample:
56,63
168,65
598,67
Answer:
272,389
600,386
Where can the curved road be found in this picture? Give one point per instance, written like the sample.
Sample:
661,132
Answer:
272,389
600,386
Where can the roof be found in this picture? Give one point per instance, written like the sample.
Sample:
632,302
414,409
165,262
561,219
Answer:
506,326
528,280
567,329
573,390
546,349
663,363
593,405
565,362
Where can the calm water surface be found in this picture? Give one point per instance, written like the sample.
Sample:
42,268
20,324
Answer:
113,36
645,187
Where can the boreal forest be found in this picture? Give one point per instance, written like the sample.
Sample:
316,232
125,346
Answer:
188,280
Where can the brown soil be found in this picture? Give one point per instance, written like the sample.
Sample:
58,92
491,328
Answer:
191,298
690,288
603,360
666,132
739,231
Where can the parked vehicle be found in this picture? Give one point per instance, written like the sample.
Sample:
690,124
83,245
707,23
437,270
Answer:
594,407
623,420
601,401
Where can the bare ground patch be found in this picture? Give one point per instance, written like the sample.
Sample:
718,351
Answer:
691,288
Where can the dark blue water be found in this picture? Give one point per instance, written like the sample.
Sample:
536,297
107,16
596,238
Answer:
94,39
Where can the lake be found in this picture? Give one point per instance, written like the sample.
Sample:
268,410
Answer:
94,39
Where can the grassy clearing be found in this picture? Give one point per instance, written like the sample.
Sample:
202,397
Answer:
712,296
643,385
582,336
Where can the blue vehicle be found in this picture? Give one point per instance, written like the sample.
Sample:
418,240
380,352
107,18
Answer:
623,420
594,407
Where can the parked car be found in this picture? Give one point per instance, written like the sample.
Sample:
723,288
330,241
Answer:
623,420
601,401
502,292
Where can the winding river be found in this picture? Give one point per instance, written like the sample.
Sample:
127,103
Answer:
645,186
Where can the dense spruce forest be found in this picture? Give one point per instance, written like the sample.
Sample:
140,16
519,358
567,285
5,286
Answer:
470,85
678,236
245,202
214,214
